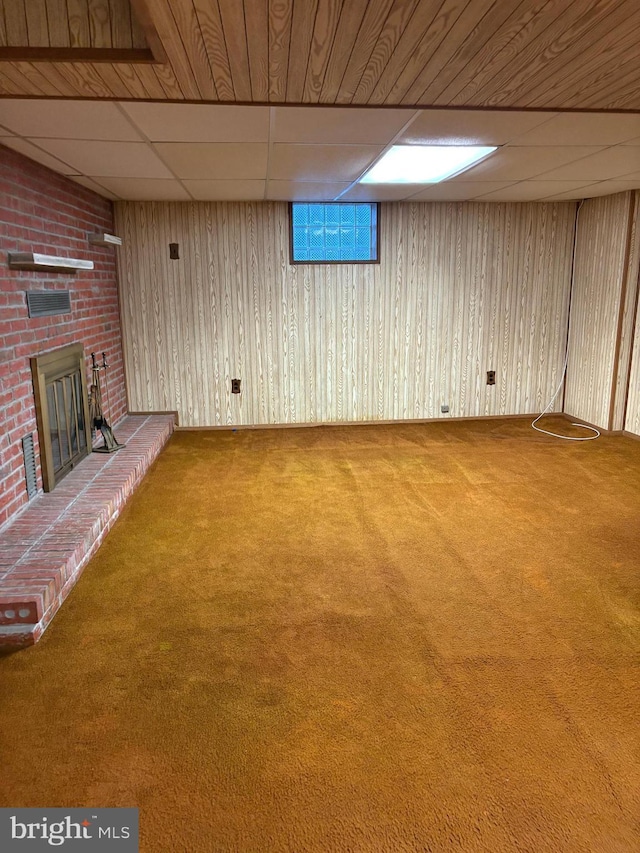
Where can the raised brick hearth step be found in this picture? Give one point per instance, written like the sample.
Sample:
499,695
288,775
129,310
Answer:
45,549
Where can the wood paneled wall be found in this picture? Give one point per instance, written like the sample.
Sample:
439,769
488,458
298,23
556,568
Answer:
462,288
602,310
632,417
632,411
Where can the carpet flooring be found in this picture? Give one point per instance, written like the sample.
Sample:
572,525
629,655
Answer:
351,639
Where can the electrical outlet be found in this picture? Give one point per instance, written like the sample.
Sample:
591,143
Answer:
235,386
491,377
174,251
444,409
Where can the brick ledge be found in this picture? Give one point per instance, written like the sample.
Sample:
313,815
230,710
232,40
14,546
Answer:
45,549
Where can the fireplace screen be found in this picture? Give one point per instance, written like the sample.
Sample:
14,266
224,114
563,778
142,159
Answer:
62,411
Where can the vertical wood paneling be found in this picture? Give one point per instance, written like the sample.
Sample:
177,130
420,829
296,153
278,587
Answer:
596,304
461,289
627,318
632,418
632,413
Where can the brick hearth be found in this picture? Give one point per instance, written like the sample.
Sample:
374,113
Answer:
44,550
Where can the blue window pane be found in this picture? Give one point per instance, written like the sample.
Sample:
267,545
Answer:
363,237
332,214
300,214
334,232
300,238
316,214
316,238
347,236
347,214
363,215
332,238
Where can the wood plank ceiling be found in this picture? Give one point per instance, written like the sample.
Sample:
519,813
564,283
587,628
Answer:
526,54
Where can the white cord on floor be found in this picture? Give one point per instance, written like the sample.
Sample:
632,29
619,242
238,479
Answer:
550,404
564,369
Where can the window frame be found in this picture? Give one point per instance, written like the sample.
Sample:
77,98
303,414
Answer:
293,262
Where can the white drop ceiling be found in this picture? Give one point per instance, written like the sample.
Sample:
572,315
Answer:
177,152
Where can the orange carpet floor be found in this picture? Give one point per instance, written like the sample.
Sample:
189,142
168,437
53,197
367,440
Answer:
355,639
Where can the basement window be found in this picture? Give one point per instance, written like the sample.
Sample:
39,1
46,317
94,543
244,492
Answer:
334,232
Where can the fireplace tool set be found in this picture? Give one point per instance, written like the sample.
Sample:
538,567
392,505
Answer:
96,414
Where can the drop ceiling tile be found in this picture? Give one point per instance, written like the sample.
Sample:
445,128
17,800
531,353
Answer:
146,189
215,160
199,122
338,125
66,120
93,185
5,132
531,190
584,128
320,162
108,159
515,163
609,188
590,191
458,191
226,190
304,190
34,153
609,163
381,192
470,127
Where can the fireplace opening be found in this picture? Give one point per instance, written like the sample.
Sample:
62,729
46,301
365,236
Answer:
62,411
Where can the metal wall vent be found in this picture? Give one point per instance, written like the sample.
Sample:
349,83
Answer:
43,303
30,465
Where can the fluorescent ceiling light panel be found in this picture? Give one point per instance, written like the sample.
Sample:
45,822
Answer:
424,164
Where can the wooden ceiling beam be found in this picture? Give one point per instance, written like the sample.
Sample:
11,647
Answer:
140,9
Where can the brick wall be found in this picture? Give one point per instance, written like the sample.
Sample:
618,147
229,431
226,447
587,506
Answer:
42,211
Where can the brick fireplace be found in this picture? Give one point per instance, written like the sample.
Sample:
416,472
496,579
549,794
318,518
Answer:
47,539
42,211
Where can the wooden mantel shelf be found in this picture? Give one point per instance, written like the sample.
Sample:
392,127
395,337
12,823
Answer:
46,263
